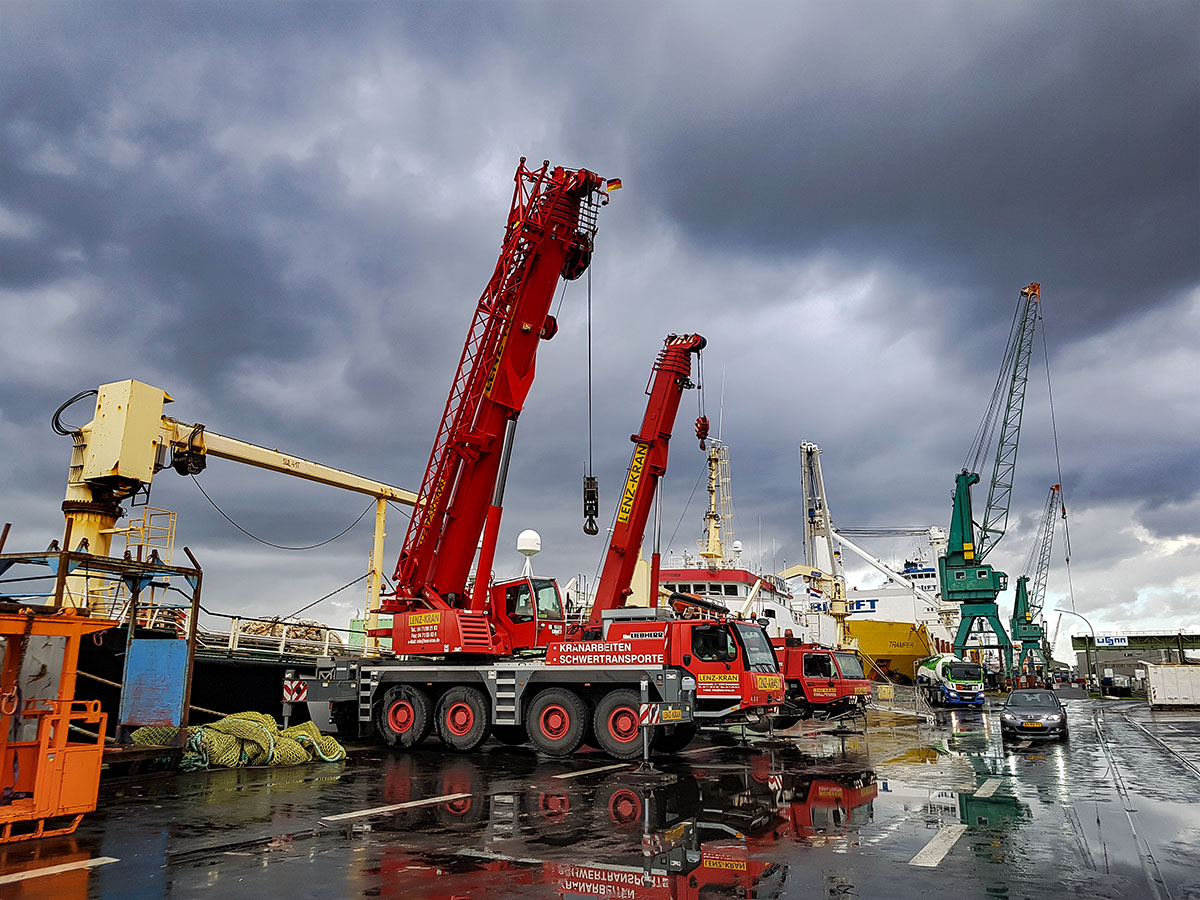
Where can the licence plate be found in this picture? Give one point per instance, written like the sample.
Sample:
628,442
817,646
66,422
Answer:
1031,724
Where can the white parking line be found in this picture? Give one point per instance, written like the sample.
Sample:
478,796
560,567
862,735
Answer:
989,787
933,852
1025,744
381,810
592,771
56,870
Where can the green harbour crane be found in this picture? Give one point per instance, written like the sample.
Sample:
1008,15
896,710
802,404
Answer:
1027,607
966,577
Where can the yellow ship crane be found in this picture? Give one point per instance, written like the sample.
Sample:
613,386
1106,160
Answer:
129,441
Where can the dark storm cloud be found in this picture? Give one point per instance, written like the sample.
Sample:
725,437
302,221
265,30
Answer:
1062,148
283,214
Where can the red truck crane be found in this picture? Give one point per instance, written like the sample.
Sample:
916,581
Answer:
466,666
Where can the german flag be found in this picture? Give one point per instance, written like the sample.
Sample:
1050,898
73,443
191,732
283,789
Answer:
614,184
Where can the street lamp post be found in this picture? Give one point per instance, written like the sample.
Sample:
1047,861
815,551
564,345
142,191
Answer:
1094,668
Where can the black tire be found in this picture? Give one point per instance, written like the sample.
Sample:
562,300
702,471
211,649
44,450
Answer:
616,724
619,805
558,816
462,776
463,718
556,722
673,738
513,735
402,717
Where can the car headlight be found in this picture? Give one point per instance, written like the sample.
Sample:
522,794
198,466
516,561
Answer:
952,693
1008,717
1053,718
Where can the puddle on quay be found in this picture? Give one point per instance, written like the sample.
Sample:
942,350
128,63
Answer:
724,826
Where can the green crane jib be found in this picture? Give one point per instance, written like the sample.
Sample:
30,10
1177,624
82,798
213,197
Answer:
1027,607
965,577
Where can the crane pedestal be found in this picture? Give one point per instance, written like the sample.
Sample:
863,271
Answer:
990,613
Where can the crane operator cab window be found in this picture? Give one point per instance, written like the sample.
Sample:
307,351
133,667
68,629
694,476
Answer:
525,600
518,602
818,665
713,643
549,603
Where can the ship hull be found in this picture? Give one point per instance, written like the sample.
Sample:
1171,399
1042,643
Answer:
891,648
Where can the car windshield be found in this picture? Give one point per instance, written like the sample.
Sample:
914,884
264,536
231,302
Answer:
759,655
850,666
1033,699
965,672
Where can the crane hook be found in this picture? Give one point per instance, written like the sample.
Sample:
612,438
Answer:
591,504
702,431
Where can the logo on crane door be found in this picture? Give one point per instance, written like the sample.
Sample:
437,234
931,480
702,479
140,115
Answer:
636,466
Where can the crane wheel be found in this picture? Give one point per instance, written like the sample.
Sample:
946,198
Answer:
616,724
556,721
463,719
402,719
513,735
673,738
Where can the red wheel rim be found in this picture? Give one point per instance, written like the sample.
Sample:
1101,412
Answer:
459,807
623,724
554,722
554,808
460,718
625,806
401,716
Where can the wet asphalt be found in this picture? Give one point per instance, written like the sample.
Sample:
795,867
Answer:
923,811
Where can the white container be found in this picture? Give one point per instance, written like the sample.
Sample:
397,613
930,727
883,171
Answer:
1173,685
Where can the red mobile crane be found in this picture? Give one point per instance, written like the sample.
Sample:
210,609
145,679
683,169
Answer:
669,671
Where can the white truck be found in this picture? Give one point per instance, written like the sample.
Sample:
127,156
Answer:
1172,685
947,680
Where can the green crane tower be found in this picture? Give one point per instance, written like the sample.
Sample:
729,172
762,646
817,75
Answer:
965,576
1027,607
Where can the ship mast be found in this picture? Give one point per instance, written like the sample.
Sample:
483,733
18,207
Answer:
718,518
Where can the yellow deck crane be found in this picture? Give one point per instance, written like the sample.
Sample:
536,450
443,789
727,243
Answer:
130,440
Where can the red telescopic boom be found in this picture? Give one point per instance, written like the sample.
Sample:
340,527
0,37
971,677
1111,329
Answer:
551,227
670,377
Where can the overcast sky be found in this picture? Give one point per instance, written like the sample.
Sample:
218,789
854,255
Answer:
283,214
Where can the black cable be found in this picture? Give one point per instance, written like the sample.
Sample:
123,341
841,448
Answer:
1058,464
589,390
399,509
269,543
703,471
56,423
327,596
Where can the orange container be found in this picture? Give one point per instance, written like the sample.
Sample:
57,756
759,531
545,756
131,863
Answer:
52,780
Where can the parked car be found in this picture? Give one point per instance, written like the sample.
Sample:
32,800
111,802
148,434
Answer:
1033,712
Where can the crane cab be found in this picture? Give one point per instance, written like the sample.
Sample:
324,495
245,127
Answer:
530,610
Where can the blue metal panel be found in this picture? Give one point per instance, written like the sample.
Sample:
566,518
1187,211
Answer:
155,677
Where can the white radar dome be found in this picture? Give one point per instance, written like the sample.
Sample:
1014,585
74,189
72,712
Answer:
737,547
529,542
